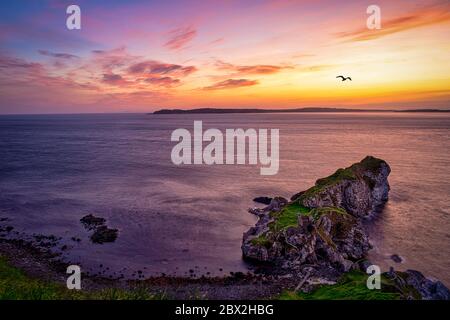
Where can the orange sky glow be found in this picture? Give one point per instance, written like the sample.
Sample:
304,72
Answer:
141,56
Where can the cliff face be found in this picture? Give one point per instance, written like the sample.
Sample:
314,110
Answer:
320,226
360,189
322,236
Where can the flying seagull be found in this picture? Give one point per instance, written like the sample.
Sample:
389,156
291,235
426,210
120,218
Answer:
344,78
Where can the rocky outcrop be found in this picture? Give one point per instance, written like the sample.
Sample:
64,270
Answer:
101,233
412,284
319,230
321,225
360,189
263,200
295,235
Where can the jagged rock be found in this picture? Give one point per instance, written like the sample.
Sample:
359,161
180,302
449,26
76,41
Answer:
361,189
324,236
413,284
297,195
428,289
104,234
91,222
320,229
101,232
396,258
320,226
364,264
277,203
263,200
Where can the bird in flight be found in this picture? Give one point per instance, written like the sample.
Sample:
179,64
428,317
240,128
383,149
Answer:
344,78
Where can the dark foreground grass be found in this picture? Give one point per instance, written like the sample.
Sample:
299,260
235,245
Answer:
16,285
352,286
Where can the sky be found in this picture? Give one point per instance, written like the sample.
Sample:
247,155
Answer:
141,56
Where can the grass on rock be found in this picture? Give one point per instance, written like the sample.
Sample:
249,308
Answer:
352,286
288,216
16,285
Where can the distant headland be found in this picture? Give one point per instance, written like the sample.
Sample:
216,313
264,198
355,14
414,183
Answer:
296,110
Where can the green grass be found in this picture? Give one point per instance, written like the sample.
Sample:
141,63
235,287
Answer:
288,216
261,241
316,213
352,286
16,285
339,175
351,173
323,183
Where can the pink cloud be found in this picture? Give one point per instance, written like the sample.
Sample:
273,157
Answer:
422,17
251,69
115,79
151,67
108,60
179,38
57,54
231,84
163,81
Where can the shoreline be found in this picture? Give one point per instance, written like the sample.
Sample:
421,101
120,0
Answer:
35,264
312,243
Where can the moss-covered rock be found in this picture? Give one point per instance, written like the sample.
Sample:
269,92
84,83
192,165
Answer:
295,233
320,231
360,189
320,226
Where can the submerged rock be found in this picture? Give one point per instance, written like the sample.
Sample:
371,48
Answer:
263,200
396,258
104,234
91,222
101,233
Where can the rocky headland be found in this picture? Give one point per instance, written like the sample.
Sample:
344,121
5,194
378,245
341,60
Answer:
312,246
317,236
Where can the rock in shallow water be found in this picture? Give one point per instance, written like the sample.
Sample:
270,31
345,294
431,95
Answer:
104,234
396,258
101,233
263,200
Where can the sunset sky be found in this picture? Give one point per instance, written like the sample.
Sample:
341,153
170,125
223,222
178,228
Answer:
140,56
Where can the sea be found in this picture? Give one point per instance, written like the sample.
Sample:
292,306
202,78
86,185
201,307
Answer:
187,220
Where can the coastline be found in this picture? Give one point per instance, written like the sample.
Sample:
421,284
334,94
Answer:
292,110
333,266
36,266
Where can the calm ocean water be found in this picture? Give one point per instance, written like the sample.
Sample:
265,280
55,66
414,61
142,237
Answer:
54,169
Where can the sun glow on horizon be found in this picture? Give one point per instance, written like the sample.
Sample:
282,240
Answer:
270,54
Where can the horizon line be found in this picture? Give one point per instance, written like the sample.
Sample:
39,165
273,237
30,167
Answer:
241,110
